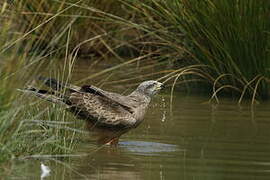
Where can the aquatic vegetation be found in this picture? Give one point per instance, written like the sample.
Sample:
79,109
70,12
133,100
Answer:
230,39
26,128
50,23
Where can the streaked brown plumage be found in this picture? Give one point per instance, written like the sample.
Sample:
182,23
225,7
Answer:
108,114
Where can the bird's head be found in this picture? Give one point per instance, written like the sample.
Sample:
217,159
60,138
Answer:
150,88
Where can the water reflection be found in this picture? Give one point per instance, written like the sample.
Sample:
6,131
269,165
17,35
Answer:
129,160
107,163
147,148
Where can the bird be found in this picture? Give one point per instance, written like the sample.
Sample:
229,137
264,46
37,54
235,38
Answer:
106,113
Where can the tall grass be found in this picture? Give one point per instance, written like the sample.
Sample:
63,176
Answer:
82,20
27,126
229,38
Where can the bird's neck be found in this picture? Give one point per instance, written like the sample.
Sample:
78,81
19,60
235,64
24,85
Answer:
141,96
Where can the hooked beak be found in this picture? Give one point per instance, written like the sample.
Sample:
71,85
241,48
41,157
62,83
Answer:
160,86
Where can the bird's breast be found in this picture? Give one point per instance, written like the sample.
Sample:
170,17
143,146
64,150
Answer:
139,114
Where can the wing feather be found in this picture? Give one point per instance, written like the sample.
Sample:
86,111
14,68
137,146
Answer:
105,109
100,110
124,101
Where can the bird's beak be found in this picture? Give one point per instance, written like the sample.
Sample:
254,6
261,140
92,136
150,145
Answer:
160,86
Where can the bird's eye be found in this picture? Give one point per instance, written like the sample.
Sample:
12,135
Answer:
151,85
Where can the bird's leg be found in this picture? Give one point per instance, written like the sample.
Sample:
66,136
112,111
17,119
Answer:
113,142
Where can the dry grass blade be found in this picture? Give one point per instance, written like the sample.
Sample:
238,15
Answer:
6,47
255,89
245,88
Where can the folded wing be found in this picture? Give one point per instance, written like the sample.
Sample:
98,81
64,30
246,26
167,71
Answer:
101,110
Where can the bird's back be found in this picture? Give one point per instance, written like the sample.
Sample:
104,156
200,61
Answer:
101,111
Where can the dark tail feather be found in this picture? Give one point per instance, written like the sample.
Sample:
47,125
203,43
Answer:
51,82
57,85
47,95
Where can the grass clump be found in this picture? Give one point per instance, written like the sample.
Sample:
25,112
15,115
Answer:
230,39
27,126
27,129
82,21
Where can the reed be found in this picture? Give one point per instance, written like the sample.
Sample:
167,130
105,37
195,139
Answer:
229,38
50,22
26,128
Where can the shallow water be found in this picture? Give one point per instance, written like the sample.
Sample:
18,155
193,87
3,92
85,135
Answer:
195,140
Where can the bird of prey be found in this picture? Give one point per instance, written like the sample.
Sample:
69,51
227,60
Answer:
107,114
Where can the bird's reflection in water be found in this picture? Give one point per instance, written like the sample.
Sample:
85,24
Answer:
124,161
108,163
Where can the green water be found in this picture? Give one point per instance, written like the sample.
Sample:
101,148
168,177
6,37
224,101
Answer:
193,140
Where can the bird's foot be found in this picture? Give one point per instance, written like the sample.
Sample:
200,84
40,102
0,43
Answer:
113,142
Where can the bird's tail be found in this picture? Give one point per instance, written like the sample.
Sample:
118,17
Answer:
58,93
57,85
50,96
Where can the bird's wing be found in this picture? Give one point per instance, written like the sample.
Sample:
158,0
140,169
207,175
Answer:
101,110
126,102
